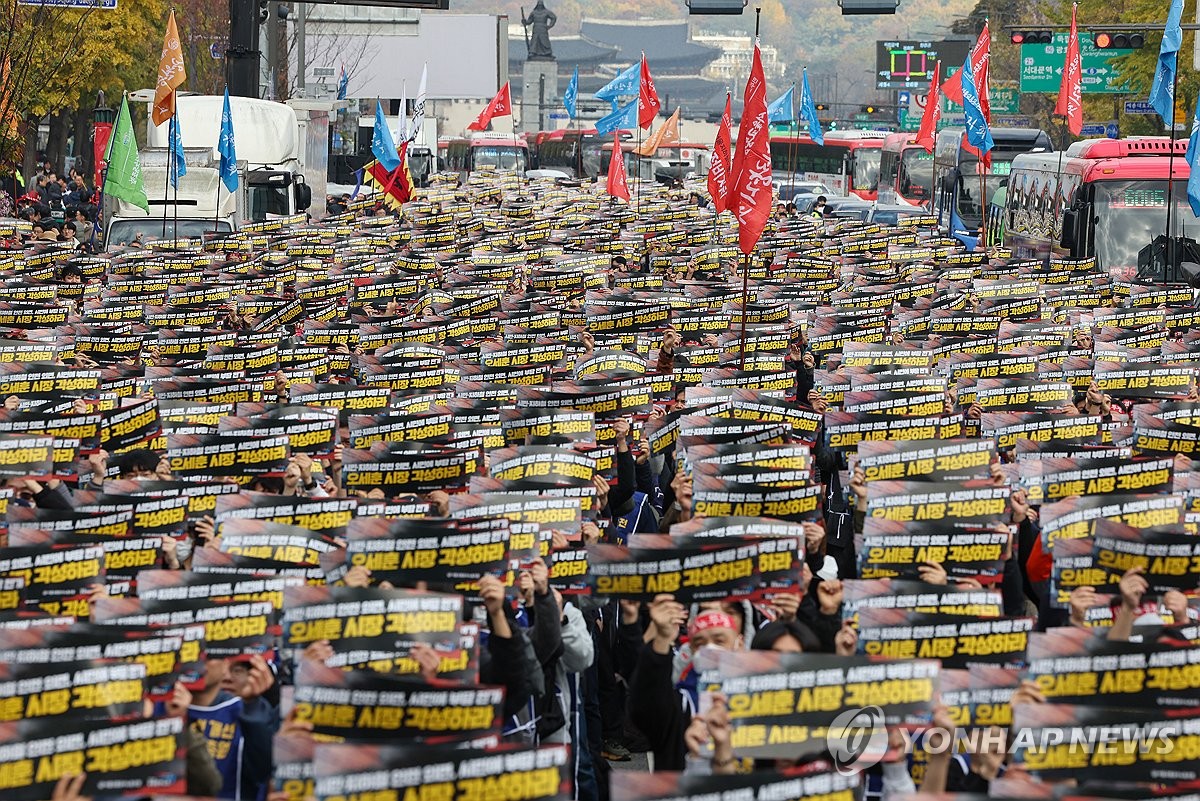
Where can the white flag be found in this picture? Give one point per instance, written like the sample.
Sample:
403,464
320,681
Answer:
418,118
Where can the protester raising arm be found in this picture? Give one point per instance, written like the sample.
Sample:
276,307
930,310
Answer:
507,661
653,702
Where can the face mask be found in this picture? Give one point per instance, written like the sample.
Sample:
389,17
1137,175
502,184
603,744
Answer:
183,550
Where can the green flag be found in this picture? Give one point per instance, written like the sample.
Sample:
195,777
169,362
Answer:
124,176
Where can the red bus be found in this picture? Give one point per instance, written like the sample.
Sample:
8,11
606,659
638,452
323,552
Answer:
1108,201
905,172
848,162
498,151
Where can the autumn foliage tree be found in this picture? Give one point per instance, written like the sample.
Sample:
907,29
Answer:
58,59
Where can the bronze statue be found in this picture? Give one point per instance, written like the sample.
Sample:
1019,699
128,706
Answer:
541,19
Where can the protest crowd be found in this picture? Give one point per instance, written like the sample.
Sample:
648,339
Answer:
483,497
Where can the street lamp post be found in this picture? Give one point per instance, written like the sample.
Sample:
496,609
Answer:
103,118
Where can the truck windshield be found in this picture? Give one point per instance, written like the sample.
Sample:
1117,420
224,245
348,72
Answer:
124,232
267,201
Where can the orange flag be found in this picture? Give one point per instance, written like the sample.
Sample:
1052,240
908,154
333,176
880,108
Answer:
617,184
171,74
667,134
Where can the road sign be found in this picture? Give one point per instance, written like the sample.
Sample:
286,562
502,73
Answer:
322,72
1004,100
1097,128
1138,107
100,4
1041,67
1112,130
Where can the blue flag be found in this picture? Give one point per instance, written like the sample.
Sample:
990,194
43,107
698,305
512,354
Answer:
626,83
178,165
808,110
625,117
571,94
343,84
229,172
358,178
978,133
382,144
1193,160
1162,91
783,108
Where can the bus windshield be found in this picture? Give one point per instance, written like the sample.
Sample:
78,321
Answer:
866,168
916,174
500,158
1130,214
559,154
977,186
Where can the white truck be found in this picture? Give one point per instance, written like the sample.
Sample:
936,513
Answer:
283,157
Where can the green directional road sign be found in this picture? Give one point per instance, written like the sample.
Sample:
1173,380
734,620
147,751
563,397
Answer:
1041,67
1002,100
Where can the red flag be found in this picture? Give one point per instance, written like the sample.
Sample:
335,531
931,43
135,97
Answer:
618,184
397,185
718,168
752,190
980,56
1070,91
933,111
500,106
648,104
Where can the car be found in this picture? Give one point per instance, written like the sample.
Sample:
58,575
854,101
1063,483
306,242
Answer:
801,189
853,208
890,215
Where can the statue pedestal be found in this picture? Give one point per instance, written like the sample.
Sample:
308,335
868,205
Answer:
539,95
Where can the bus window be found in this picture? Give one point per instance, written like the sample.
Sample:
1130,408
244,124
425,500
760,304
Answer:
866,168
915,175
500,158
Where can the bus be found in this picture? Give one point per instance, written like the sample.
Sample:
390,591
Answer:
905,172
498,151
1109,201
673,163
962,189
575,153
848,162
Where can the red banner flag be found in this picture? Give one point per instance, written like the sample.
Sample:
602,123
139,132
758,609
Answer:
1070,91
648,104
932,115
718,168
500,106
980,56
753,188
397,185
618,184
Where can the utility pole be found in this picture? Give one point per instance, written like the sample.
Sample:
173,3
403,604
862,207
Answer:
301,11
242,55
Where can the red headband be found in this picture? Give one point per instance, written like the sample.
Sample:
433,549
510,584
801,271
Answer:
711,619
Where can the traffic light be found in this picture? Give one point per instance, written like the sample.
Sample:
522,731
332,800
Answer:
1117,41
869,109
822,107
1032,37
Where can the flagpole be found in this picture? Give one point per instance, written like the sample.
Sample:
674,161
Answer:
795,127
170,164
1169,268
175,183
746,256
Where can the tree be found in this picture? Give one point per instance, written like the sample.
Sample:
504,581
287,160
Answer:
60,57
